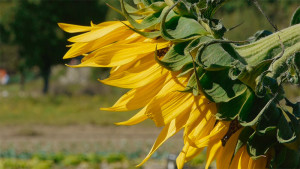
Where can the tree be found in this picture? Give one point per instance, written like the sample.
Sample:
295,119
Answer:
34,30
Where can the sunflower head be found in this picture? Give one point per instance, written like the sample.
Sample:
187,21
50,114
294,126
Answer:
226,95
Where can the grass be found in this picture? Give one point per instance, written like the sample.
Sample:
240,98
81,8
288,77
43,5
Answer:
33,108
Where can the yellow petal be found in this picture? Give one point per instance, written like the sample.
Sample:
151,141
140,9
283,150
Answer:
192,153
81,48
135,78
120,37
115,55
259,163
235,161
244,159
70,28
217,133
203,128
139,97
168,131
164,109
139,117
212,150
180,160
225,155
98,33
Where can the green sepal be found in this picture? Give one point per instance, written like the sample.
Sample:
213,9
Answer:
183,8
216,56
212,7
258,145
147,22
175,58
279,156
296,107
258,35
150,35
192,85
296,17
187,68
213,54
217,28
269,120
297,60
218,87
229,110
243,138
251,118
180,29
286,128
249,74
154,8
293,73
291,160
149,2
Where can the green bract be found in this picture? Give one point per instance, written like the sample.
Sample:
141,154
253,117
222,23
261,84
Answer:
244,78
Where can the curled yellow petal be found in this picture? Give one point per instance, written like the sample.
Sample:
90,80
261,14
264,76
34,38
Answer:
137,118
168,131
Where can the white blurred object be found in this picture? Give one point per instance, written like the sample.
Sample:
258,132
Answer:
171,164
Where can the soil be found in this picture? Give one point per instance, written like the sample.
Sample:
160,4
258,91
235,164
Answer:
82,139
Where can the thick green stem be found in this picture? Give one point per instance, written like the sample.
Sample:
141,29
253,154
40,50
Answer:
269,47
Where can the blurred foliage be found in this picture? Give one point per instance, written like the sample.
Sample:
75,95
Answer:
31,25
43,160
236,12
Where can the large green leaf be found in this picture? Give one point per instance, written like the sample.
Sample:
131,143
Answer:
218,87
229,110
258,145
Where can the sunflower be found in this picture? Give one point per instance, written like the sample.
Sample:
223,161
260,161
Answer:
183,75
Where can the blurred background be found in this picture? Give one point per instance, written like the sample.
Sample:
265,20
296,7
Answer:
49,113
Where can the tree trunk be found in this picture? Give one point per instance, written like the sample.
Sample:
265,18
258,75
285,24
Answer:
46,75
